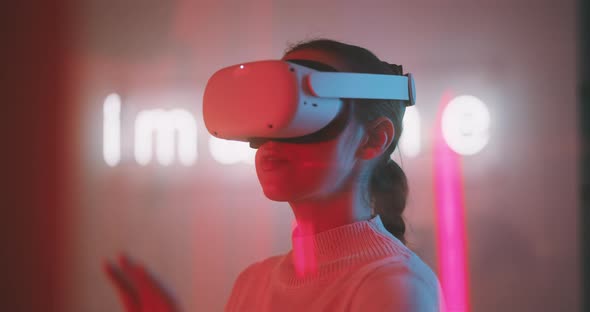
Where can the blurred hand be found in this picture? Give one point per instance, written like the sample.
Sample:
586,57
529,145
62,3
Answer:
137,288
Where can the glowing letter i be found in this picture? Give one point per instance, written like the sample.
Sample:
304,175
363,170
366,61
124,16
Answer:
111,147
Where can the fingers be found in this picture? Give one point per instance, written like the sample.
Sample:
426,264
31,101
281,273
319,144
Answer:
125,288
153,296
138,288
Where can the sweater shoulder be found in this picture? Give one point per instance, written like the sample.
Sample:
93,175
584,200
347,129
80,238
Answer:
413,267
407,285
256,269
249,279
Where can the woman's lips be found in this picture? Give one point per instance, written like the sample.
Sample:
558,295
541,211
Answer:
271,160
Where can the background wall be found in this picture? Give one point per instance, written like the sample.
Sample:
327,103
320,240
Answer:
198,226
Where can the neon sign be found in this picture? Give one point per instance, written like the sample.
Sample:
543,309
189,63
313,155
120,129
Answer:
172,134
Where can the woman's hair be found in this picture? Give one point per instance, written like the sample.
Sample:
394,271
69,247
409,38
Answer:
387,183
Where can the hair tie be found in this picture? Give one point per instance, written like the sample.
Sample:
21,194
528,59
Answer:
383,176
388,162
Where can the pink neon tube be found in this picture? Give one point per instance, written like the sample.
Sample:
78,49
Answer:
450,220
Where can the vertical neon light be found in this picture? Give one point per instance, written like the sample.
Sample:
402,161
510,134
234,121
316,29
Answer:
450,220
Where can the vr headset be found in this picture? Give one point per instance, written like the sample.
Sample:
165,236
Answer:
297,101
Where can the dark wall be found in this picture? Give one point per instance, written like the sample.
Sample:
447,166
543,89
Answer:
35,110
584,91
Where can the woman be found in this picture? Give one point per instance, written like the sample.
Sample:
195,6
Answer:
347,196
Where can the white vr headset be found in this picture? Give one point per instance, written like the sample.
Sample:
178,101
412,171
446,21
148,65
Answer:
277,99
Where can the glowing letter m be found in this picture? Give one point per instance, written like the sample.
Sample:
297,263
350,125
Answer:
163,125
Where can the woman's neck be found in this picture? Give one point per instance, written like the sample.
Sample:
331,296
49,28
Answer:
316,215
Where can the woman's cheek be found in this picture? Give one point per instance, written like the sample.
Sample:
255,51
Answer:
313,175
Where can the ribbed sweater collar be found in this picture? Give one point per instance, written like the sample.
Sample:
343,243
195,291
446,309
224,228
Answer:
318,257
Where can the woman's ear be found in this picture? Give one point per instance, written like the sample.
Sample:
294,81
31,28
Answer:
378,136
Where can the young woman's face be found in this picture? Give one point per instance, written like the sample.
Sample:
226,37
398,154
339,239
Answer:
291,171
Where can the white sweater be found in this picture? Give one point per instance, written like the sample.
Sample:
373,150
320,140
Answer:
355,267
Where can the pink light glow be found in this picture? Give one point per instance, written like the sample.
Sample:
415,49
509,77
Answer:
450,220
304,257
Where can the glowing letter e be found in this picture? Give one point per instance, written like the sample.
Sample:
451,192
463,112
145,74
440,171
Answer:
111,135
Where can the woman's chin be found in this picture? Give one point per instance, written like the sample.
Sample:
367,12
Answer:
276,194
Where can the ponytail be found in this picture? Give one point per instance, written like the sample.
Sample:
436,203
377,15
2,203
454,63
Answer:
389,191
